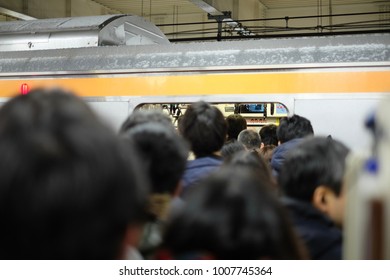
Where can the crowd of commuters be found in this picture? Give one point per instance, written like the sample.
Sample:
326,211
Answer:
71,188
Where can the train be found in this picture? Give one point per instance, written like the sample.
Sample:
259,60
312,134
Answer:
120,63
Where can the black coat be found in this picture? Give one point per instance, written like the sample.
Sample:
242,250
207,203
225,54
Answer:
322,237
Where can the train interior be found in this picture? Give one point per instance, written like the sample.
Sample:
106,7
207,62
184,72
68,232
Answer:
256,115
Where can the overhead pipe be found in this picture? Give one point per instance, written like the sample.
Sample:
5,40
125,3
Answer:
14,14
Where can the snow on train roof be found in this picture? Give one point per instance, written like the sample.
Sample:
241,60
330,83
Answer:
251,53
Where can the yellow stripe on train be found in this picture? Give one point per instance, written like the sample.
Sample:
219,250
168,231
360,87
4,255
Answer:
206,84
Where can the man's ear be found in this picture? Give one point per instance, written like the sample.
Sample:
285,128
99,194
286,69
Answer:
321,199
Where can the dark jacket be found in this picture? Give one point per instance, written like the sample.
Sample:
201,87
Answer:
322,237
197,169
280,153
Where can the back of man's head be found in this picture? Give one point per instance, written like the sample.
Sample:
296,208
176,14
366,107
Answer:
68,188
236,123
315,162
138,117
204,127
163,152
293,127
249,138
268,135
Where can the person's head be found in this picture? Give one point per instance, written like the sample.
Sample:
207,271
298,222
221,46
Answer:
232,217
268,135
236,123
252,160
138,117
313,172
250,139
204,127
163,154
293,127
230,148
69,188
267,151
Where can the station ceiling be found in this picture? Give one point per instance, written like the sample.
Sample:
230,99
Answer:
143,6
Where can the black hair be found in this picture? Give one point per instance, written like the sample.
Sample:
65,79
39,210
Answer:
204,127
163,153
293,127
236,123
268,135
232,217
252,160
250,139
138,117
314,162
230,148
69,188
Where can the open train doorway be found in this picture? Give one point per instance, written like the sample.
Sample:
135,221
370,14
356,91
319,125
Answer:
256,114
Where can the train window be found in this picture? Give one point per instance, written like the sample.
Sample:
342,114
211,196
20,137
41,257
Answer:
256,114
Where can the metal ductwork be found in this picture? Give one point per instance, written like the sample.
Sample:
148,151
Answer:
79,32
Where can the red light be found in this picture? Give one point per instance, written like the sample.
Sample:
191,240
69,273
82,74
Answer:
24,89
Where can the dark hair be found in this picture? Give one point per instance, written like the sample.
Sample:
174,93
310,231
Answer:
268,135
293,127
252,160
232,217
249,138
204,127
230,148
267,152
163,153
68,187
314,162
235,124
138,117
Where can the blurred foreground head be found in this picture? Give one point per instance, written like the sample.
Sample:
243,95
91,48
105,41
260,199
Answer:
204,127
232,214
68,187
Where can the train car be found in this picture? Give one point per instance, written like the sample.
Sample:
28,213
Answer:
335,81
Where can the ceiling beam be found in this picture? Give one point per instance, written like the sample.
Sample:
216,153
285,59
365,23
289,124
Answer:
14,14
262,4
205,6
